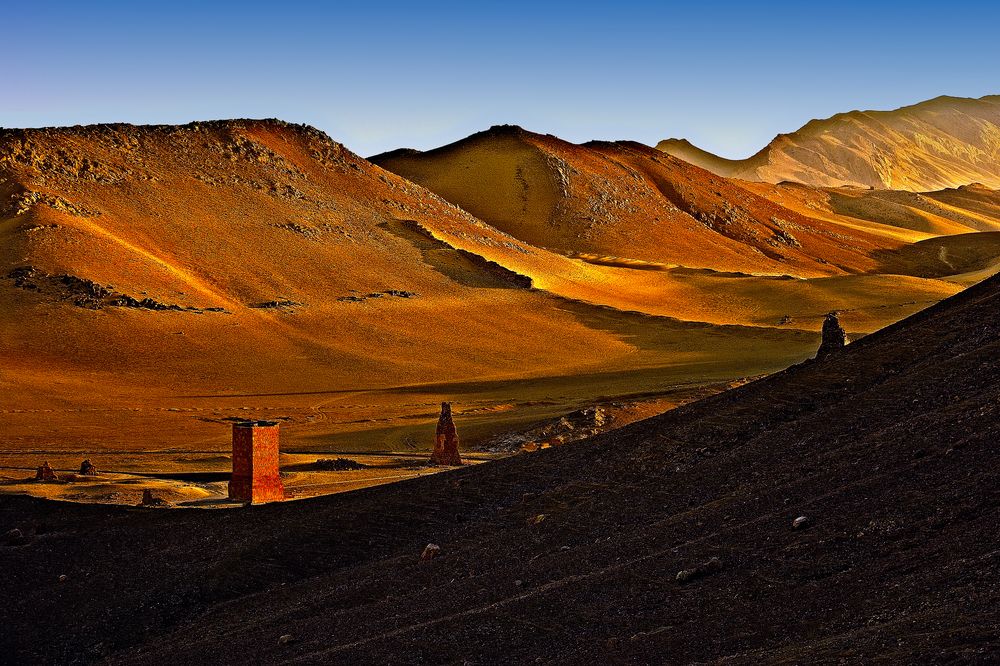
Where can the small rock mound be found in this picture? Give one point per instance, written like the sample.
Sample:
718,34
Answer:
338,464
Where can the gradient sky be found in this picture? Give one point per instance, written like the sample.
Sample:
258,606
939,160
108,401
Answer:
380,75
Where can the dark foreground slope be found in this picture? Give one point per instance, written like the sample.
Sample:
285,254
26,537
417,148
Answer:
889,449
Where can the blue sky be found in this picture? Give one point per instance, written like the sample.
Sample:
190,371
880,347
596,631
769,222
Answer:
380,75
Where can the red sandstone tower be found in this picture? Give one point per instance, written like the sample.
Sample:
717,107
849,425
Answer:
255,463
446,441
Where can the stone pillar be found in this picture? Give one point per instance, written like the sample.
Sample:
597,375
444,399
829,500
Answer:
45,473
255,476
446,440
834,337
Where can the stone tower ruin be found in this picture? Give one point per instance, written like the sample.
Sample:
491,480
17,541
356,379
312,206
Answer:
255,476
446,440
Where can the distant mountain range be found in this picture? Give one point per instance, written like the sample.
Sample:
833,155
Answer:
945,142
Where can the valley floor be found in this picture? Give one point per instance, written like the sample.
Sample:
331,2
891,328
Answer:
840,511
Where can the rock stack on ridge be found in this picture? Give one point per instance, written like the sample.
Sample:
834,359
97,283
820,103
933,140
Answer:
834,336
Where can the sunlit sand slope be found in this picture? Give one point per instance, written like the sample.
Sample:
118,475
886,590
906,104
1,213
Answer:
941,143
158,282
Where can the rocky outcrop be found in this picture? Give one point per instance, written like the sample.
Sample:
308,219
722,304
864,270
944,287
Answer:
45,473
398,293
446,440
834,336
22,202
149,499
574,426
88,294
339,465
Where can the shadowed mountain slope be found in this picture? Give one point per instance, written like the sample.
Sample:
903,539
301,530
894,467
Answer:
887,449
945,142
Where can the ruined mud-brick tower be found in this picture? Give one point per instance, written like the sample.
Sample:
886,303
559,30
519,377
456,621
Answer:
446,441
255,463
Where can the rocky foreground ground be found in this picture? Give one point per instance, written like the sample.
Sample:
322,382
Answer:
843,510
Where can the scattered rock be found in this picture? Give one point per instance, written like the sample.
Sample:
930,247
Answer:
87,468
446,439
23,202
398,293
572,427
800,522
14,537
86,293
338,464
431,551
285,638
63,578
713,566
534,520
834,337
283,304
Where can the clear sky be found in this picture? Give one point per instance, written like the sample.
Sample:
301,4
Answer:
380,75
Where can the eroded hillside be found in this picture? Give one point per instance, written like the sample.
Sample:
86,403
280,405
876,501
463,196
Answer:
157,281
160,281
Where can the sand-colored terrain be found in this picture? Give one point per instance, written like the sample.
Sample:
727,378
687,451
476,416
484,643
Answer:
159,282
844,510
668,238
942,143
